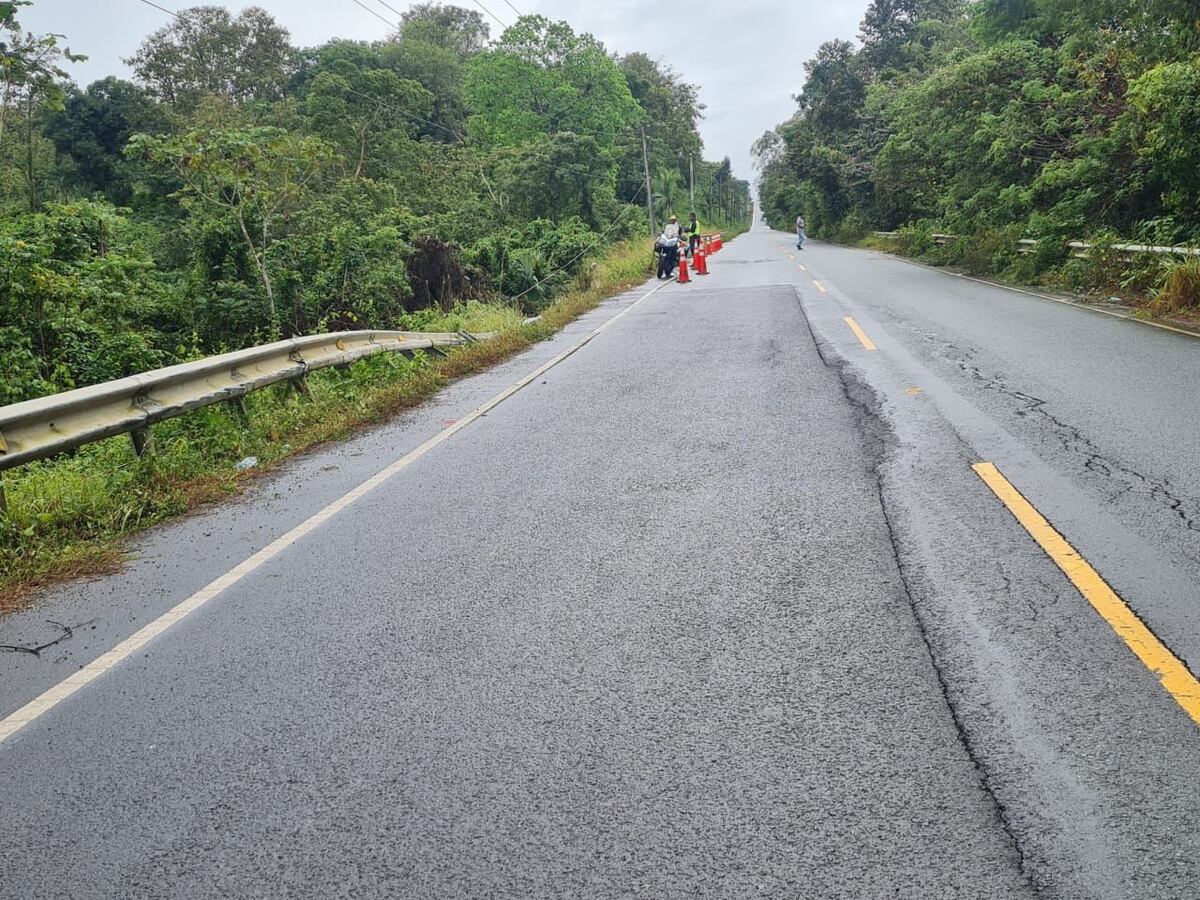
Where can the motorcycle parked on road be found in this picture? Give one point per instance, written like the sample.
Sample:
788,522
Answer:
667,251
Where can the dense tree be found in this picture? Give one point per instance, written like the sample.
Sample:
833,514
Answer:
243,189
359,104
93,128
463,32
257,176
207,51
672,109
543,78
670,194
441,73
1058,117
559,176
34,82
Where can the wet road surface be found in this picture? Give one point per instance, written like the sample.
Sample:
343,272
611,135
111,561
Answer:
715,606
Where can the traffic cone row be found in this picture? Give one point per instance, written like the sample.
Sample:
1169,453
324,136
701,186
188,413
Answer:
708,245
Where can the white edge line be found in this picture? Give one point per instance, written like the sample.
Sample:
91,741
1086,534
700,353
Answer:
46,701
1076,304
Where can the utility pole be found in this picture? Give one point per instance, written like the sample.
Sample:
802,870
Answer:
692,179
649,193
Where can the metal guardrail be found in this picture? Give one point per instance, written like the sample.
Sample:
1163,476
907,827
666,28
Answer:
1080,248
36,429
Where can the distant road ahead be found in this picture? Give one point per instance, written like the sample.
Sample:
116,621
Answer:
714,606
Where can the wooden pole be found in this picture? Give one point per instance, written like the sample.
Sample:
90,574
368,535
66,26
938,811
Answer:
649,192
692,179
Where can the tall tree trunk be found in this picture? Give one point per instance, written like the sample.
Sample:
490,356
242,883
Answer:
260,263
4,104
29,173
362,154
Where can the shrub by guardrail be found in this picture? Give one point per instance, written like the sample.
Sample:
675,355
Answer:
1167,274
40,428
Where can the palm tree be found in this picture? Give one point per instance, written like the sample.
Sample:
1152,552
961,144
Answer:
670,191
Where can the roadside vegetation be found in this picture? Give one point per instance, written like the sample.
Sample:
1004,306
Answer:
241,189
67,517
997,120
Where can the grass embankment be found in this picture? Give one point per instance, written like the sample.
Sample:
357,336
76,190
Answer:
68,517
1153,284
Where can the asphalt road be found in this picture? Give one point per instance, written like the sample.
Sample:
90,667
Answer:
715,606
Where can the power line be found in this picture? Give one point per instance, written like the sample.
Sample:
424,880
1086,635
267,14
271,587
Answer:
490,13
389,6
582,253
513,8
383,104
308,69
462,141
169,12
377,15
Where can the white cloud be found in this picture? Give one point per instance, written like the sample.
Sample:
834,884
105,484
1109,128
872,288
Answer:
746,57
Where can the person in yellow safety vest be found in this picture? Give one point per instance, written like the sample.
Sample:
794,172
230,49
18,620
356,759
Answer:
693,233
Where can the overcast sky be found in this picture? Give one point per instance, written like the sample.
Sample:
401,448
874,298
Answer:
746,56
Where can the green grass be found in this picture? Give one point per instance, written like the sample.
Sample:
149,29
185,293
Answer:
1154,286
1178,290
69,517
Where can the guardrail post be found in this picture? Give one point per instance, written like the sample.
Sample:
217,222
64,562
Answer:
3,498
141,439
239,405
301,386
129,405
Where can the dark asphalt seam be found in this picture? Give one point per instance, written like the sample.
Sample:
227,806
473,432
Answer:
878,439
68,632
1072,439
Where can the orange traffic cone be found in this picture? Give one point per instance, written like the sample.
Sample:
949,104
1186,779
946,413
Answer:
700,261
720,243
683,268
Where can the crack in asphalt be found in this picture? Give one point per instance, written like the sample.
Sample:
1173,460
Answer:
68,632
1074,441
879,441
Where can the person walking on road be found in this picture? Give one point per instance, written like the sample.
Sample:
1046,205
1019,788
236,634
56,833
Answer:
800,232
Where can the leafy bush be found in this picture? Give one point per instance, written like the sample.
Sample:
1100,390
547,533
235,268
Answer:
1178,286
1050,119
916,239
20,369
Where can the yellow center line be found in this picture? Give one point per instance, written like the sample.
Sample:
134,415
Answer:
860,334
801,267
1174,676
820,287
42,704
